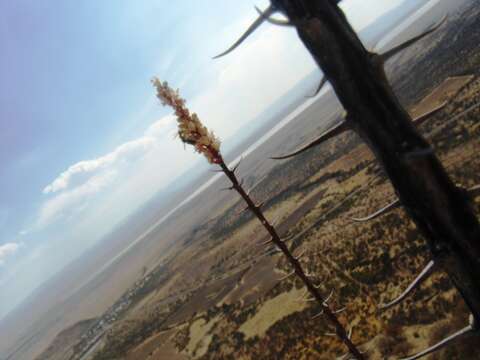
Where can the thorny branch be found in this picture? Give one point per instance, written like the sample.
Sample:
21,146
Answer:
294,262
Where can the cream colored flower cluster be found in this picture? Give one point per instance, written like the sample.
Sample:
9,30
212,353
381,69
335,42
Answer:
190,129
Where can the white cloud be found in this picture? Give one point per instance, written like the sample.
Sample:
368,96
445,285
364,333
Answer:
78,172
69,203
130,151
161,127
7,250
73,189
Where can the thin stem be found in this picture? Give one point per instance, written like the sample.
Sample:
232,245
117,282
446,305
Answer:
328,313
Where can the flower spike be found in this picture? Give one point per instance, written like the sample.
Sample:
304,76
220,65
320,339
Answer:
190,130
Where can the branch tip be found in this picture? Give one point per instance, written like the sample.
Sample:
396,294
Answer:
332,132
320,86
393,205
272,20
397,49
255,25
416,283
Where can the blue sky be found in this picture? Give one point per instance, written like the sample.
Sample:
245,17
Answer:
83,141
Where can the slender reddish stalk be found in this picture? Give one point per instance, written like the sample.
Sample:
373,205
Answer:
294,262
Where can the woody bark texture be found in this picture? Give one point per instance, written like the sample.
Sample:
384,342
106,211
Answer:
441,211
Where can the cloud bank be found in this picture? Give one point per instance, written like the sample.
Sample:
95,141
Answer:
7,250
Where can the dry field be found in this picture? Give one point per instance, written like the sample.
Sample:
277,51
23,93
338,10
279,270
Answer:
231,302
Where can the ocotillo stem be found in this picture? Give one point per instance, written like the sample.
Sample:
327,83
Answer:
329,314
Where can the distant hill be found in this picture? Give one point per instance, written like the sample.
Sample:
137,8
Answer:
64,344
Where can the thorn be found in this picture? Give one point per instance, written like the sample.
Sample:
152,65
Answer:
234,169
228,188
274,221
419,120
259,21
304,293
340,310
287,276
298,257
325,302
259,205
268,242
441,344
418,280
243,210
331,334
419,153
397,49
254,186
322,83
271,252
318,315
272,20
474,191
287,238
380,212
330,133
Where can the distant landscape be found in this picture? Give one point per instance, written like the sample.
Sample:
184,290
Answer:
198,284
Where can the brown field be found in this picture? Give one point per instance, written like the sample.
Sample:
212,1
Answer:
241,310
